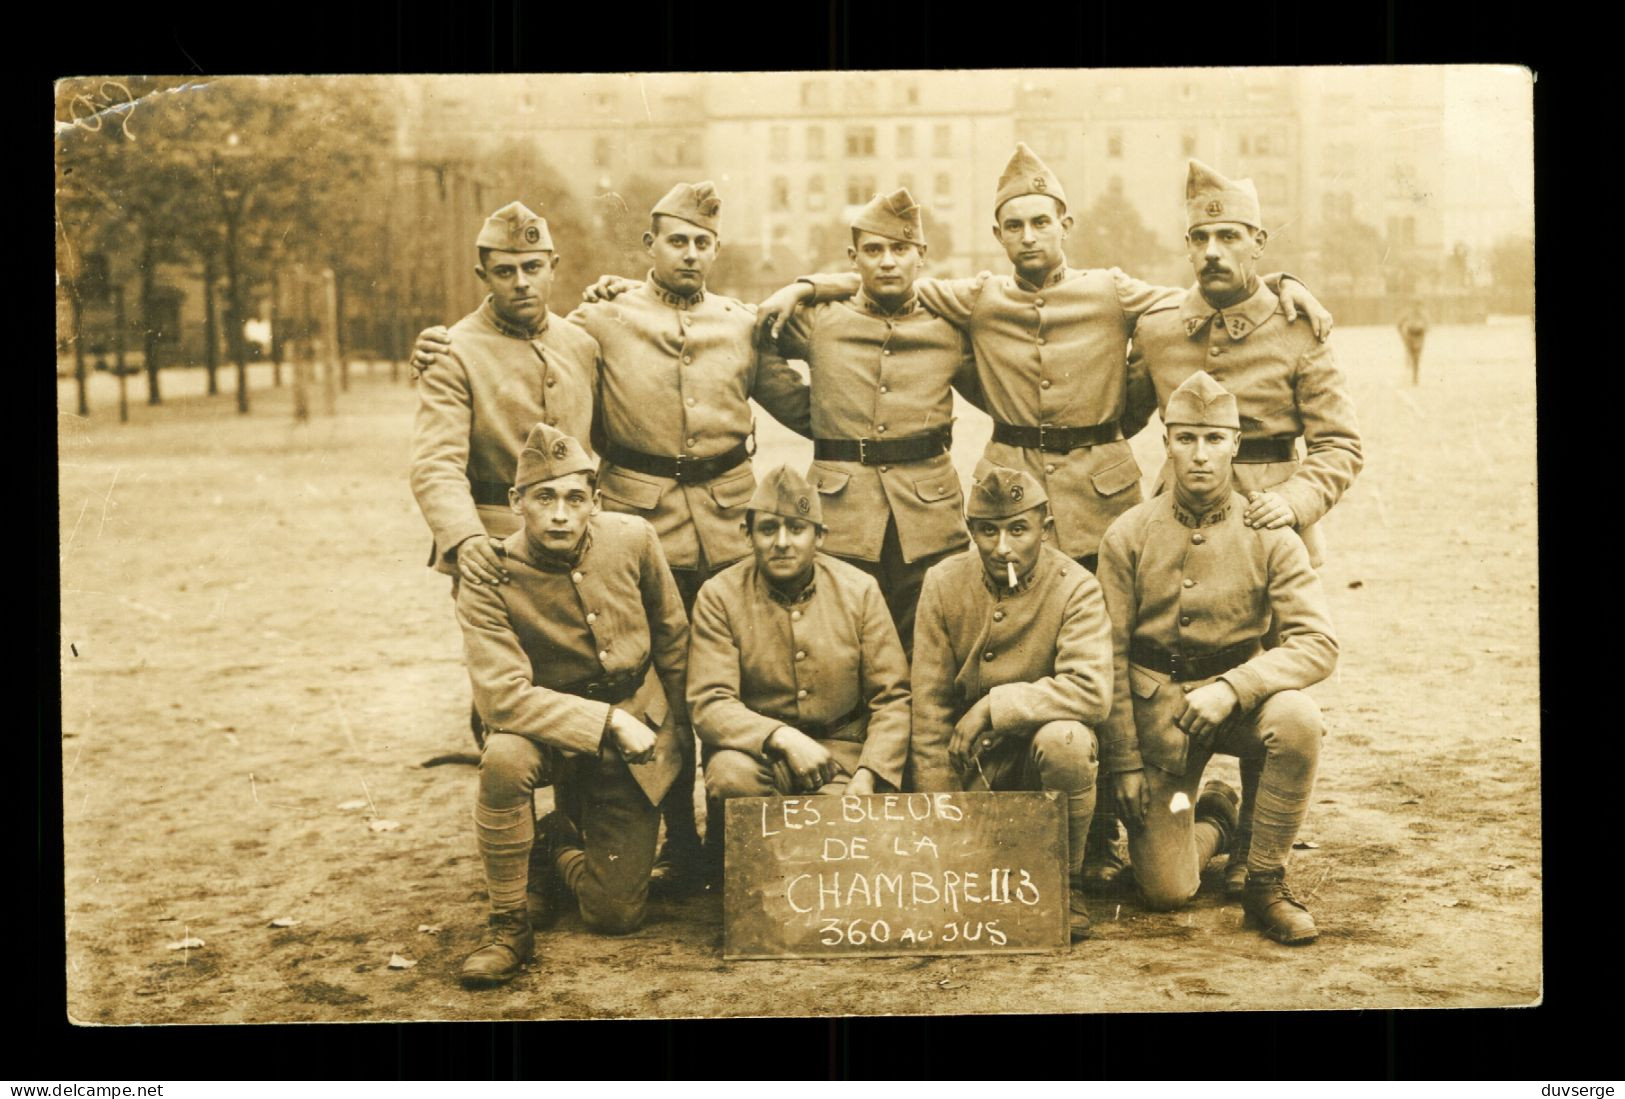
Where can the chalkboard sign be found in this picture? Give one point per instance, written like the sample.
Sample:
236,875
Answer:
945,873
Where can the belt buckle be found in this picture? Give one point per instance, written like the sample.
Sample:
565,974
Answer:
863,452
682,461
1043,429
1175,660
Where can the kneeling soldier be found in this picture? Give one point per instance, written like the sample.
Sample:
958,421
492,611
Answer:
1192,590
797,682
1012,663
576,662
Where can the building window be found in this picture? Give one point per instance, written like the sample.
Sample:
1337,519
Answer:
905,141
814,94
859,189
815,143
1114,143
778,143
860,141
603,152
781,193
1187,144
815,193
942,143
1337,206
944,195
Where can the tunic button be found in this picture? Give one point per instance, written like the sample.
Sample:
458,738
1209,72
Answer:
883,389
795,616
576,576
1045,383
1197,539
801,654
1049,467
550,382
692,440
802,693
603,654
689,401
881,429
998,616
885,469
887,351
1215,351
591,618
688,358
1038,301
1041,341
1185,621
988,655
1189,583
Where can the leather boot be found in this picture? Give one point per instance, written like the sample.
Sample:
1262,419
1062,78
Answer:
544,889
509,945
1106,854
1078,915
1235,869
1221,806
1270,904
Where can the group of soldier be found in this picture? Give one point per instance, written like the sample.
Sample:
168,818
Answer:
626,583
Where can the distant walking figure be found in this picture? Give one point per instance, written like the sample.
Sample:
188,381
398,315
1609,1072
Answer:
1413,328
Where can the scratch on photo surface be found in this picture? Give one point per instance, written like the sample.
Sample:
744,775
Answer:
1382,508
253,788
107,500
74,533
74,765
648,114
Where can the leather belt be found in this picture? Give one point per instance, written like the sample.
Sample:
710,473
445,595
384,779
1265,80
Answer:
1054,438
614,688
1276,448
874,452
681,467
842,728
490,493
1179,667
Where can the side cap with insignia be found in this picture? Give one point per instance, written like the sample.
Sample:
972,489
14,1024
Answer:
783,491
548,455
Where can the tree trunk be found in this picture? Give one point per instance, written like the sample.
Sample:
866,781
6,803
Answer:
149,334
340,342
78,348
276,328
234,331
211,329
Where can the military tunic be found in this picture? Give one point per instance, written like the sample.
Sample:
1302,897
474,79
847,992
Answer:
554,625
1195,585
476,404
677,375
1040,655
1051,355
1286,384
829,658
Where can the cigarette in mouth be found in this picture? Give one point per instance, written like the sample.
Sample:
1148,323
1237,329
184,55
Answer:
1010,567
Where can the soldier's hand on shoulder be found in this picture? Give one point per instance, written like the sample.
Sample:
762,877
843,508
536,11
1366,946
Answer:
634,739
1133,795
431,342
1207,708
973,735
608,288
479,561
772,313
1268,511
810,763
1296,298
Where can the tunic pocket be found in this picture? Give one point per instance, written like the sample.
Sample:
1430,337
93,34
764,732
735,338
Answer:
629,489
1142,683
1117,477
827,480
940,486
734,490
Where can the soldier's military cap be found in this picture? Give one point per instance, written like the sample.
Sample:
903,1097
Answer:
783,491
1027,175
1210,197
515,228
895,216
548,455
998,492
696,203
1202,402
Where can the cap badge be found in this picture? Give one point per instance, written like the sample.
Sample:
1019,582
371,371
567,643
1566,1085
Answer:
1039,184
1016,492
908,232
1215,208
532,234
560,450
803,506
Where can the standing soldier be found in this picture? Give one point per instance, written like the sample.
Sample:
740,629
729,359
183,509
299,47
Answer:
797,683
576,661
514,365
1285,383
1051,344
1192,590
1012,663
1413,329
883,373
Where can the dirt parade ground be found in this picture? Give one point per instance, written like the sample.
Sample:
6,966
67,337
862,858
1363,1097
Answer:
256,663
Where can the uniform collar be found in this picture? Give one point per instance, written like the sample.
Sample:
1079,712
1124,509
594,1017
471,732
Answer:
1210,518
671,297
489,312
874,308
1055,277
518,546
1023,583
801,598
1238,319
